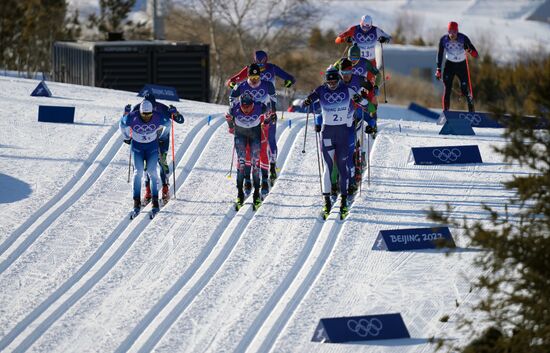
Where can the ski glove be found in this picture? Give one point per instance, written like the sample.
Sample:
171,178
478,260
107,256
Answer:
384,40
232,85
272,117
376,91
127,141
370,129
438,74
127,109
357,98
318,128
230,121
473,53
172,110
288,83
307,102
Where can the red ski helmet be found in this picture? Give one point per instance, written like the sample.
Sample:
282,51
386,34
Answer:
452,27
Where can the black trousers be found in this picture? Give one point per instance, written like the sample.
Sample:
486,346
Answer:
451,70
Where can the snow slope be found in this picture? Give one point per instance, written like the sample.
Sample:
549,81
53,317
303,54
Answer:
77,275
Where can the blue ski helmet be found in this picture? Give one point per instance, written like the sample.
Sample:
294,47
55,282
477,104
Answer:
332,74
260,57
246,99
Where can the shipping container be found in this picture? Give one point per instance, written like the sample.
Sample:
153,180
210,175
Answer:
129,65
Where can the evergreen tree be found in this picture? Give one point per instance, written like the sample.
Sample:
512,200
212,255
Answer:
516,270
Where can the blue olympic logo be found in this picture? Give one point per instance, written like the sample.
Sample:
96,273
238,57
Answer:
144,129
365,327
257,94
365,38
474,119
266,76
335,97
447,155
358,70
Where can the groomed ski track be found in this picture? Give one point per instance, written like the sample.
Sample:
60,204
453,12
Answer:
202,277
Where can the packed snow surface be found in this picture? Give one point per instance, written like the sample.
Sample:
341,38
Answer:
78,275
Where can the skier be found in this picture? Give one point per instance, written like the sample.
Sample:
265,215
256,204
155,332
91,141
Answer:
268,72
365,35
455,45
142,130
368,114
168,112
245,119
264,92
336,100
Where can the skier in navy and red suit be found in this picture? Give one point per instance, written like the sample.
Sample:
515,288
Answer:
365,35
268,72
455,45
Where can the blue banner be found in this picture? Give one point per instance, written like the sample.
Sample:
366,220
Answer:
446,155
476,119
413,239
160,92
55,114
360,328
423,111
41,90
457,127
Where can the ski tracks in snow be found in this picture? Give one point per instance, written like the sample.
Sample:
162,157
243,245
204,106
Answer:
114,247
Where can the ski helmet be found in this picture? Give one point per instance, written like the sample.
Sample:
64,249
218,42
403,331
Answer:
246,100
452,27
146,110
366,22
260,57
332,76
354,53
253,70
345,65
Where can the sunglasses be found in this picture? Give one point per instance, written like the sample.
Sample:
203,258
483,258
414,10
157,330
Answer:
254,77
346,72
146,115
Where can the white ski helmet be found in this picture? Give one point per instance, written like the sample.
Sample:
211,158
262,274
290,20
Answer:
146,107
366,22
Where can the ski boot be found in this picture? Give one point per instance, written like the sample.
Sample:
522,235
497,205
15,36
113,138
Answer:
137,207
272,173
240,200
256,200
165,193
265,189
247,187
147,196
344,210
156,207
326,208
334,192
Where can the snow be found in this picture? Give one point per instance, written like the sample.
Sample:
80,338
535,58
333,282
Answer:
77,275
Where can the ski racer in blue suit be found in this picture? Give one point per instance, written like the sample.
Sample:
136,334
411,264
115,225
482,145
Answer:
168,112
336,100
142,130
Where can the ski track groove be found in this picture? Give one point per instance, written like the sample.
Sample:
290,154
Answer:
233,228
56,206
124,225
328,231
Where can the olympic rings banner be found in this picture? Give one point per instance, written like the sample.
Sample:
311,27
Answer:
446,155
55,114
413,239
160,92
360,328
476,119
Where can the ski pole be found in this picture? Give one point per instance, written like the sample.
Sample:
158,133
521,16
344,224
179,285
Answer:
283,111
384,72
318,159
232,160
173,157
469,80
130,158
305,133
368,161
362,144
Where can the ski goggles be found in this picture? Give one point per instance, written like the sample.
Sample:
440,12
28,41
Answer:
146,115
254,77
346,72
